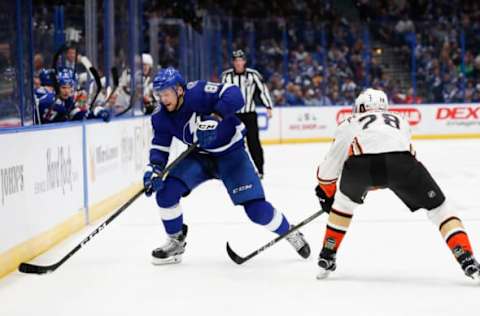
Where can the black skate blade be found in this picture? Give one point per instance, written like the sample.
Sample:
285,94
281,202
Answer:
235,258
34,269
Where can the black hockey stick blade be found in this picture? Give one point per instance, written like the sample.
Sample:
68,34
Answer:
39,269
239,260
233,255
35,269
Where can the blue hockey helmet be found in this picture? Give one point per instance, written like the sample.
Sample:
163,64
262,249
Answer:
46,77
168,78
66,76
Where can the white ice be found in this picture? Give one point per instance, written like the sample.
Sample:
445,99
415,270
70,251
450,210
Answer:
392,262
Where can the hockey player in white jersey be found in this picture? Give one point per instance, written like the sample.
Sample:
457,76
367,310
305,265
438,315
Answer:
371,150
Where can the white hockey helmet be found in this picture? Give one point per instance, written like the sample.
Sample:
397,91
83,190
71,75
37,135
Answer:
371,100
147,59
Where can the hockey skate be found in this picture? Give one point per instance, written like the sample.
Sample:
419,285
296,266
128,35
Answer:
468,263
173,249
299,243
326,262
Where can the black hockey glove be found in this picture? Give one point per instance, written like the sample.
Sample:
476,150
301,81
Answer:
325,202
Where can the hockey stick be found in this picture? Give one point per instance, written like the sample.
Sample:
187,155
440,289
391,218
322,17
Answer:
37,269
177,160
129,107
239,260
98,83
125,110
114,71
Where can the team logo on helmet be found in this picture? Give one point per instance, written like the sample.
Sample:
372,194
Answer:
66,77
168,78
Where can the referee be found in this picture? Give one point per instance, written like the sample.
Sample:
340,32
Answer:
253,90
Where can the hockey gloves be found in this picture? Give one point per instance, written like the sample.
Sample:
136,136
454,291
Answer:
207,131
325,201
101,113
152,182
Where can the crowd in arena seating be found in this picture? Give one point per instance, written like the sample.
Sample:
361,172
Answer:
436,29
325,59
333,69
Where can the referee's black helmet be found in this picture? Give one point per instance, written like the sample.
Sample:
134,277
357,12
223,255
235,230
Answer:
238,54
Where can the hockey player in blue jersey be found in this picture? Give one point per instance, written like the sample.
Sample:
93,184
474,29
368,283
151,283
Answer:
204,112
54,108
46,77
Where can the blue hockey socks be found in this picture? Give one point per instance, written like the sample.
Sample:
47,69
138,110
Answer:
262,212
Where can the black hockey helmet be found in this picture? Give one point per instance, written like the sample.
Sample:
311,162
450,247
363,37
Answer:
239,54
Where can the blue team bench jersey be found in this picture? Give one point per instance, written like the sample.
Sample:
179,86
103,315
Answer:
201,99
52,109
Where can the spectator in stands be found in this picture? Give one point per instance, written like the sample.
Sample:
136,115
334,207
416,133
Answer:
449,88
322,99
436,85
37,66
476,69
294,95
310,99
335,48
38,62
148,70
411,98
70,58
470,92
277,88
349,86
376,68
335,98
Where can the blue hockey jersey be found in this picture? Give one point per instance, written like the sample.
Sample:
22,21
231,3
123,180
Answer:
53,110
201,98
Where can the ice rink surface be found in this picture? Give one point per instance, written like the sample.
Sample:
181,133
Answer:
391,262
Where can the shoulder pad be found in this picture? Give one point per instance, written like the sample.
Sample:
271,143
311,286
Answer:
157,109
192,84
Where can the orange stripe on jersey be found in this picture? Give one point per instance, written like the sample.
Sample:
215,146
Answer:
329,189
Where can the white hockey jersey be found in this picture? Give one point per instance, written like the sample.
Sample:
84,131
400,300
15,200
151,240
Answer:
366,133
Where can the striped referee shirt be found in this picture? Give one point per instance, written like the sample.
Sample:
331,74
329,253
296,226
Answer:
250,83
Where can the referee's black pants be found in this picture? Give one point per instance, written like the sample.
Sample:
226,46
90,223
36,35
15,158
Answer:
253,139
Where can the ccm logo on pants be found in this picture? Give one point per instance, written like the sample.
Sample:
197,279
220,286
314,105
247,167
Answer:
242,188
